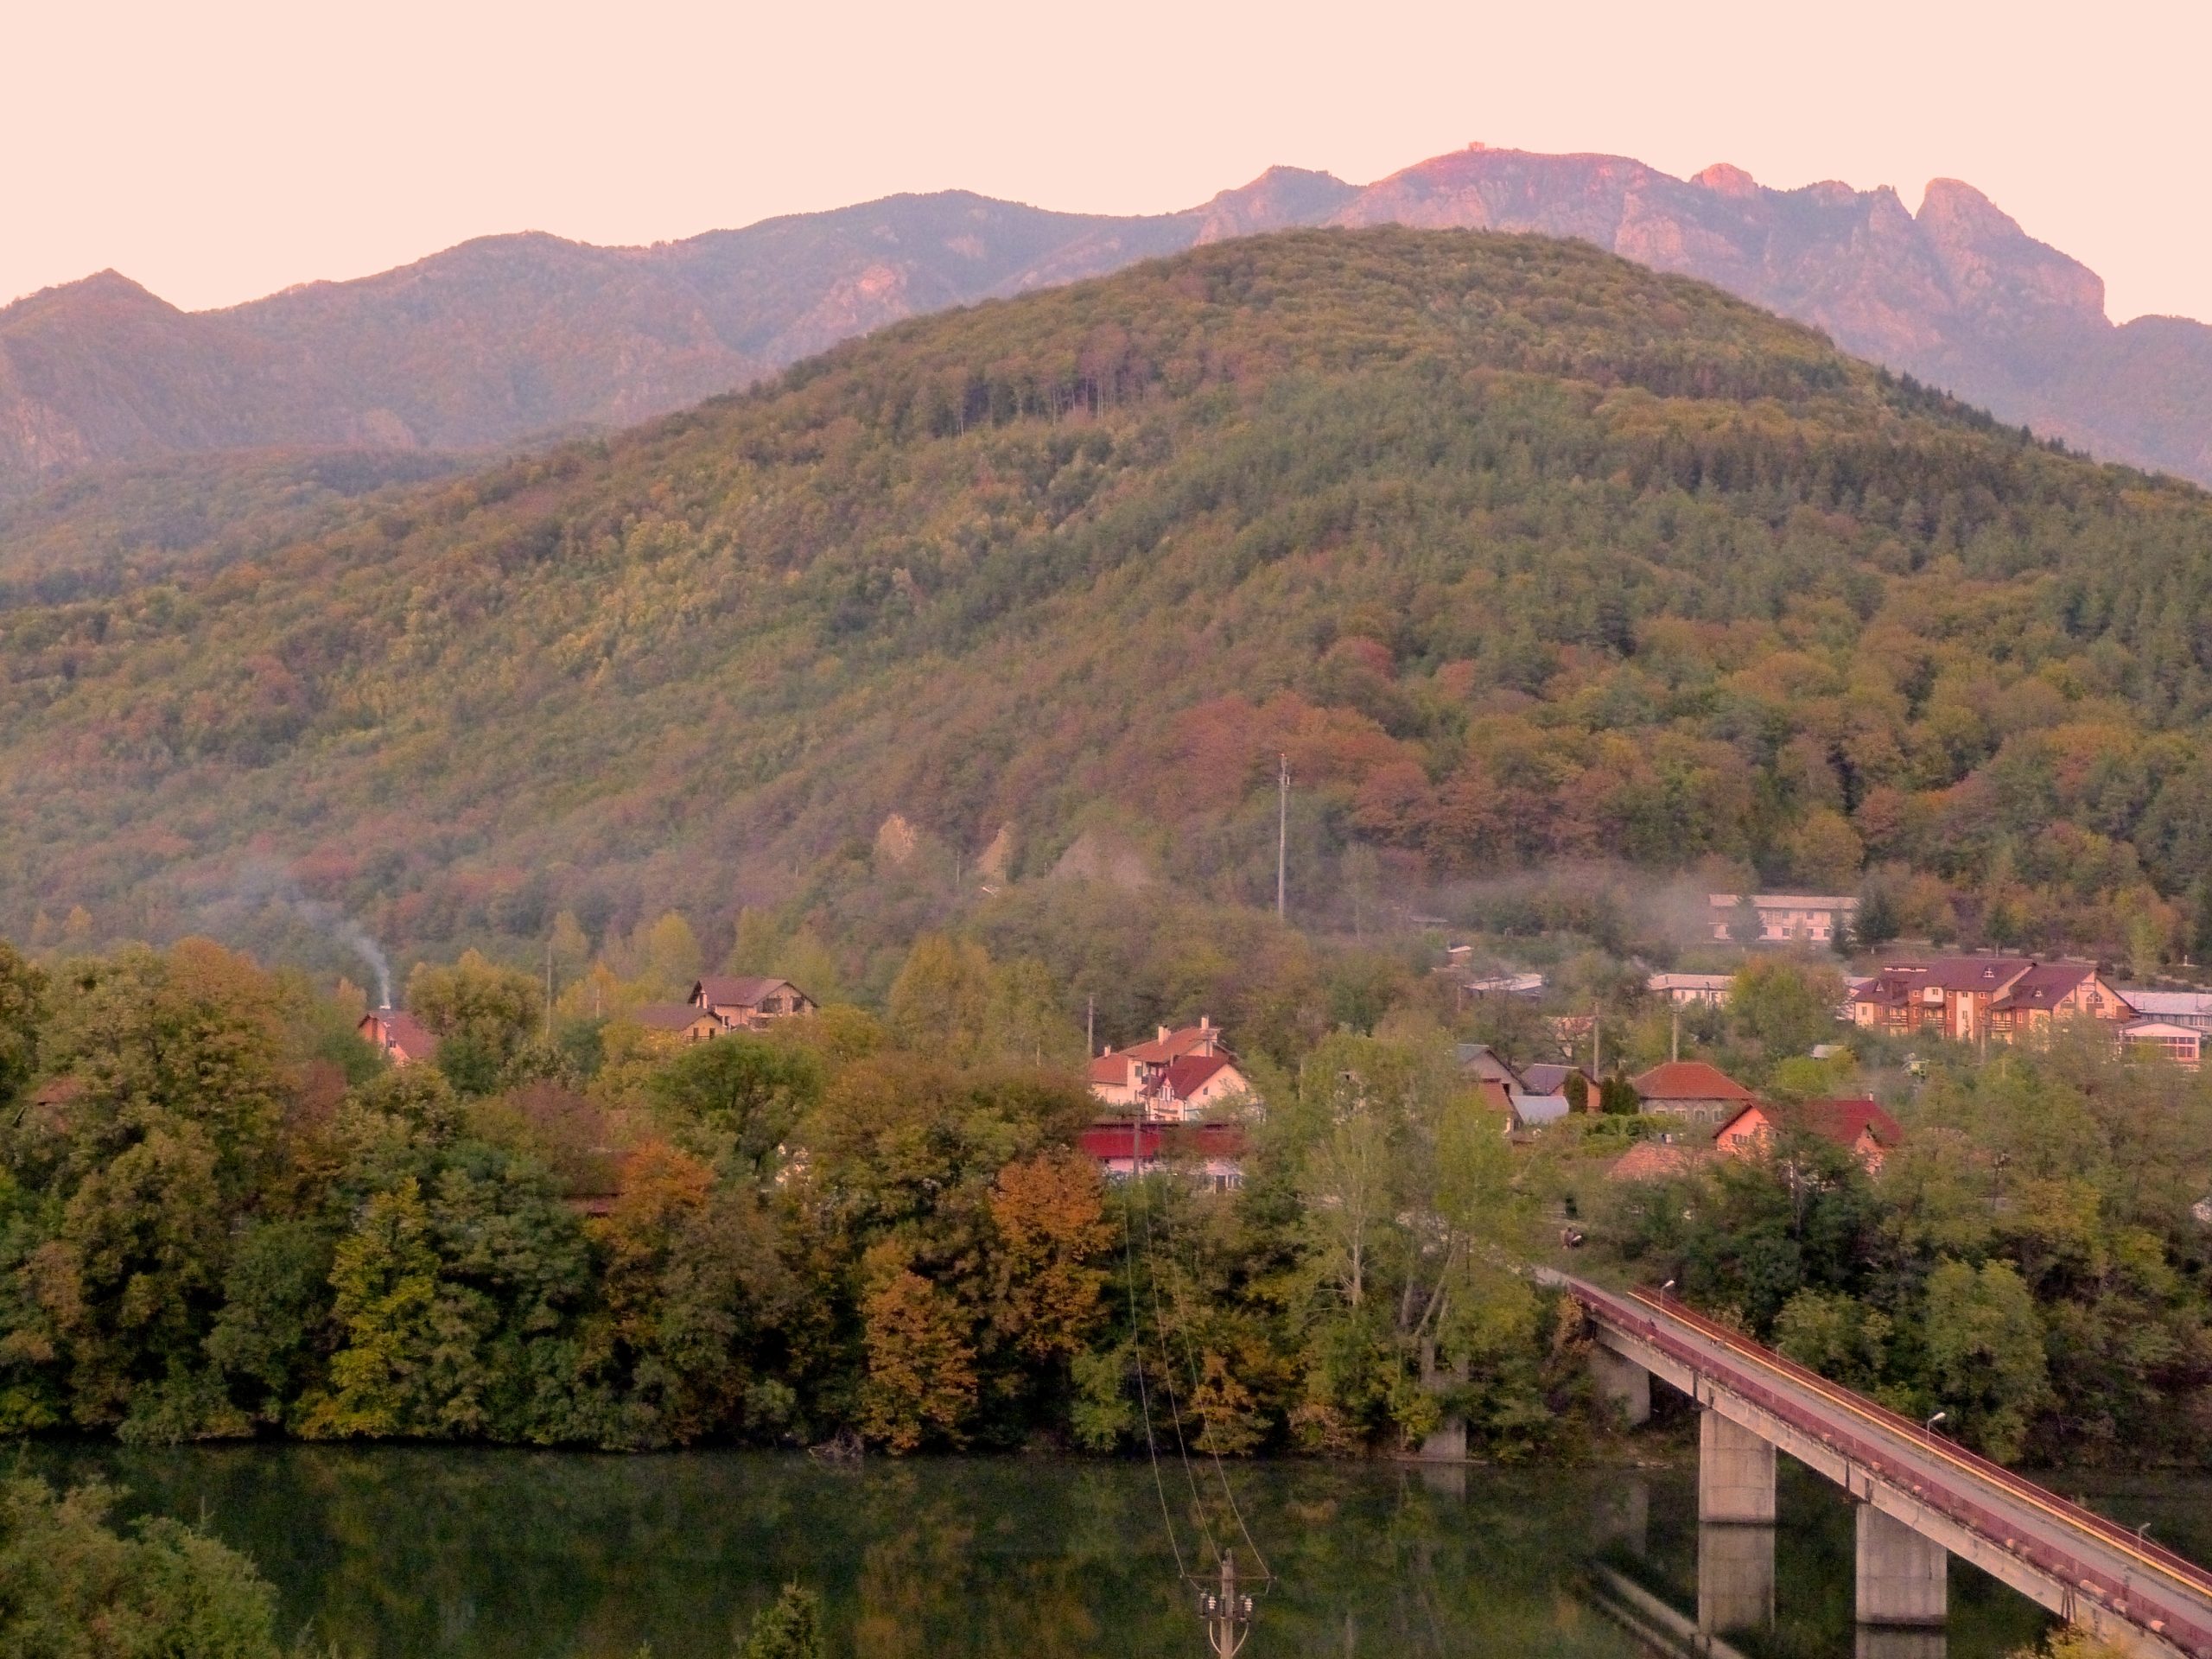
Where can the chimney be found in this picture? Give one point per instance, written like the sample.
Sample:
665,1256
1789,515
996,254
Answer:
1163,1033
1204,1024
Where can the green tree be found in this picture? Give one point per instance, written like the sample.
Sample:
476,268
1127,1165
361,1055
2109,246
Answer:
1985,1345
738,1099
385,1276
74,1587
788,1628
942,1002
22,1011
482,1013
1781,1005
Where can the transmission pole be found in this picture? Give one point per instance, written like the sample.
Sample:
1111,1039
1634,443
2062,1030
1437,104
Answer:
1228,1613
1282,836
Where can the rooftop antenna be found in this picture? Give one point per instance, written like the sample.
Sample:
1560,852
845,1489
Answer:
1282,833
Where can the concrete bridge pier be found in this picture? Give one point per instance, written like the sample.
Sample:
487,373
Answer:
1903,1590
1735,1473
1622,1384
1735,1576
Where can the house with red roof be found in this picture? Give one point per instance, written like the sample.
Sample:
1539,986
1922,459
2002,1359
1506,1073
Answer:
749,1001
1211,1153
1174,1077
1652,1161
683,1022
398,1035
1692,1090
1860,1127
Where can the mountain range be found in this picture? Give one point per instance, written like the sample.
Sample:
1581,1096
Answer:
1519,551
517,337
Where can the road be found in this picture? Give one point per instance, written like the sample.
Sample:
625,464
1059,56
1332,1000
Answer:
2081,1565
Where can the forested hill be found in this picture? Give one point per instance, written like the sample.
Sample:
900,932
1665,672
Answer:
1517,549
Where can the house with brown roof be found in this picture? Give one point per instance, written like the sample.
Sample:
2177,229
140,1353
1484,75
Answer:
1691,1090
1860,1127
398,1035
684,1022
2052,991
748,1001
1945,996
1967,999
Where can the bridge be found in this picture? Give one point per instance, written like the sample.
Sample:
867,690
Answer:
1920,1498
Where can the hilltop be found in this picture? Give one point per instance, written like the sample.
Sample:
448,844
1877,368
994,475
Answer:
514,337
1519,550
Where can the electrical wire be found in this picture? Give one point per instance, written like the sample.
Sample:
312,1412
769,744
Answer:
1167,1378
1144,1400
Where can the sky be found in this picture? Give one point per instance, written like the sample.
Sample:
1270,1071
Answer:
216,150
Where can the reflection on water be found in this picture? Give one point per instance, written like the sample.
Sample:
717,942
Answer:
402,1554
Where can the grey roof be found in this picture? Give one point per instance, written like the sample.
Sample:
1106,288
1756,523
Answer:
1540,1109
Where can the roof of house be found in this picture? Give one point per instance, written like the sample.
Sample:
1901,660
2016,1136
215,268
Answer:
2159,1028
1786,901
401,1031
669,1016
1689,1080
1186,1076
1174,1044
737,991
2045,985
1689,981
2169,1004
1486,1061
1540,1109
1651,1161
1841,1122
1897,979
1110,1070
1549,1078
1152,1141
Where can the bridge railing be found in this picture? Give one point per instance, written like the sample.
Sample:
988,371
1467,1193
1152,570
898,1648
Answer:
2122,1595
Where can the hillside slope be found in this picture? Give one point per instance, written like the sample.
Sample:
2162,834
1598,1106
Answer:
512,336
1517,549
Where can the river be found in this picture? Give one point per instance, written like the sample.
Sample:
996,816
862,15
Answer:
411,1552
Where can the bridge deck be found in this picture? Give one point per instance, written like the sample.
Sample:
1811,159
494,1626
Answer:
2091,1568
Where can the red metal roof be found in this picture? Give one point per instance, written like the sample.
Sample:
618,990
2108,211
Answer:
1186,1076
669,1016
1841,1122
1110,1141
2045,985
398,1031
736,990
1689,1080
1947,973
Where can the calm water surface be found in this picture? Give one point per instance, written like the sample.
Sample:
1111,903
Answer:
402,1554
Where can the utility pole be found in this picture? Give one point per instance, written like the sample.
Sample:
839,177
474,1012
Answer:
1282,835
1090,1026
548,987
1674,1043
1228,1612
1597,1040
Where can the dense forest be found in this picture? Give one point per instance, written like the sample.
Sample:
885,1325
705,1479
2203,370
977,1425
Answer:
223,1215
1518,552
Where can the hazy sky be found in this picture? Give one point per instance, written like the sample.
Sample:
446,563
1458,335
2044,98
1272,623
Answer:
218,150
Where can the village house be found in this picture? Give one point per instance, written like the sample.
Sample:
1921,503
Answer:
1947,996
1785,917
1549,1078
1861,1127
1691,1090
2054,991
1652,1161
399,1036
2183,1045
1967,999
1212,1153
1685,990
1173,1077
2190,1008
749,1002
686,1022
1493,1075
1532,1111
